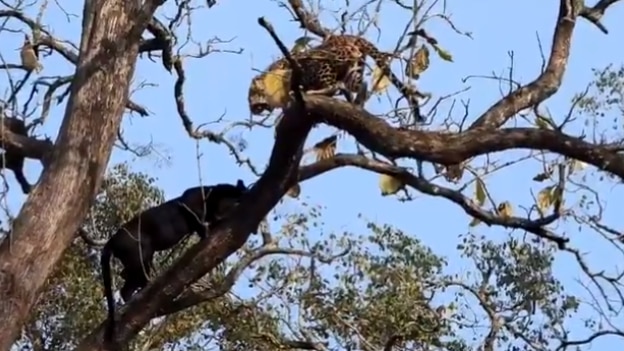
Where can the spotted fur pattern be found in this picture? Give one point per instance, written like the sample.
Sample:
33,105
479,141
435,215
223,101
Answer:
334,66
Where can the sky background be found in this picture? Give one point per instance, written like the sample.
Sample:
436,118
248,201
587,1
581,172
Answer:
217,84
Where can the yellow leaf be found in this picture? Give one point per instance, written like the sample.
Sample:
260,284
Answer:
505,209
294,191
418,64
325,148
480,192
475,222
29,58
380,82
389,185
277,87
544,199
445,55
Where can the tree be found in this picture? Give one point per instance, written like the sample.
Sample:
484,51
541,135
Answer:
382,294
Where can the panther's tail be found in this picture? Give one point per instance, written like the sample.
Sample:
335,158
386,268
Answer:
108,291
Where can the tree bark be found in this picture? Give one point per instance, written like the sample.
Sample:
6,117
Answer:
52,213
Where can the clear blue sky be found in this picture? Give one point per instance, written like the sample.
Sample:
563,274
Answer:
218,83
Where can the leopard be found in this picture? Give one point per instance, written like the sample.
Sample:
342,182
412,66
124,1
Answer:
334,66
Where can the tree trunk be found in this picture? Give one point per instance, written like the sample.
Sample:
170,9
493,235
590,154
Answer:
56,207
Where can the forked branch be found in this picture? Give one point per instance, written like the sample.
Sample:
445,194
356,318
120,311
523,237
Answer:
543,86
548,83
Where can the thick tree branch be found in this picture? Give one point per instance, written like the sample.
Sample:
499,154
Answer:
29,147
371,131
546,84
446,148
376,134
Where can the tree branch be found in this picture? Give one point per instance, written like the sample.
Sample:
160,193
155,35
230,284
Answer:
546,84
47,40
470,207
28,146
371,131
308,20
594,14
447,148
195,298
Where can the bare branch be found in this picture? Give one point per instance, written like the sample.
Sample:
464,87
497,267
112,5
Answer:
197,133
51,42
194,298
546,84
470,207
594,14
308,20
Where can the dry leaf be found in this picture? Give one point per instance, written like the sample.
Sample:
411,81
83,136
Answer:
389,185
544,199
418,64
382,82
545,175
541,177
505,209
28,56
325,148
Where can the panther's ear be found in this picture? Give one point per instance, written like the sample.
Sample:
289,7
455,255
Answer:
241,185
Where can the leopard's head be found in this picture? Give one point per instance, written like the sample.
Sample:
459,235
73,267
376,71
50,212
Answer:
257,98
269,90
